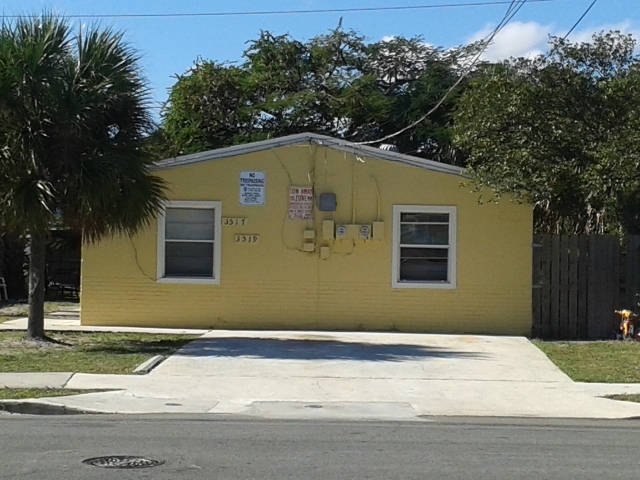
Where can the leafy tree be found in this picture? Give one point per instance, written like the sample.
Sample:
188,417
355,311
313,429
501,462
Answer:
561,131
73,112
334,84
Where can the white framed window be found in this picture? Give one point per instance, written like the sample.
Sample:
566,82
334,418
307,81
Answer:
189,242
424,247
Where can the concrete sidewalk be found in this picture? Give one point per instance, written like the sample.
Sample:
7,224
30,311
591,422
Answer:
66,321
35,380
350,375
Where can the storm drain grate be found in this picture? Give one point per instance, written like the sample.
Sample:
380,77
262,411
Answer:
122,461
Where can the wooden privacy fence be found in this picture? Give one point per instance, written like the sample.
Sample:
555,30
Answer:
579,280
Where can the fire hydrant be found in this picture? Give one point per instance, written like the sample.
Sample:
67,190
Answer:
627,323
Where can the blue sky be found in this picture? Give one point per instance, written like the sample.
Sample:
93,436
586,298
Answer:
170,45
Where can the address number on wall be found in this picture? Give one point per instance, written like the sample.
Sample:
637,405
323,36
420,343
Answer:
233,221
247,238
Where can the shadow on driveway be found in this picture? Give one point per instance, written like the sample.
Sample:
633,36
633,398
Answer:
283,349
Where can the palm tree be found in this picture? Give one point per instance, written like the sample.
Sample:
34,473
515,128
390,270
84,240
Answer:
74,111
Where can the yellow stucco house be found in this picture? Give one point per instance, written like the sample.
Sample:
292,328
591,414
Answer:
312,232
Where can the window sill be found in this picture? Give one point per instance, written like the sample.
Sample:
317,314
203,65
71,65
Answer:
434,285
195,281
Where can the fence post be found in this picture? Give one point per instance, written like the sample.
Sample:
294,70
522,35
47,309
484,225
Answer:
536,284
615,252
545,287
574,320
583,286
555,286
632,272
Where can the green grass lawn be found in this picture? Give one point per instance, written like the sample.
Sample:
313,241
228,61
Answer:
596,362
22,309
625,398
20,393
85,352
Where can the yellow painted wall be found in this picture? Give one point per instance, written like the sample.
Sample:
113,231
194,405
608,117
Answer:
273,285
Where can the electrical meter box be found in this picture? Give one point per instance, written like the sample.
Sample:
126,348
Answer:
342,232
353,232
309,234
364,232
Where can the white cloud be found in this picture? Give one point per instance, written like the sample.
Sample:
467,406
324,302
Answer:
624,27
517,39
527,39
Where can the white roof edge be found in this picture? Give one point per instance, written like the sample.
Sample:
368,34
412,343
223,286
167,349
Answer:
312,138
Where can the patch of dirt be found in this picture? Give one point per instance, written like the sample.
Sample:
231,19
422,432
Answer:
9,346
15,311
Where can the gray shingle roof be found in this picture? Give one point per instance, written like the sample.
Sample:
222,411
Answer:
309,138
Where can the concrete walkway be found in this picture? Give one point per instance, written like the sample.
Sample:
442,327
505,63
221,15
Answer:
69,321
350,375
35,380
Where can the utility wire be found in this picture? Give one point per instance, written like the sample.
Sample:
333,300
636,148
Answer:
514,8
511,11
552,52
580,20
293,12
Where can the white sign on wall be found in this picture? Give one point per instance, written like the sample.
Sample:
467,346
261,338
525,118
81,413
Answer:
252,188
300,203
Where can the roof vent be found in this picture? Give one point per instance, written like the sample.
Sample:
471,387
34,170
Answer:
389,148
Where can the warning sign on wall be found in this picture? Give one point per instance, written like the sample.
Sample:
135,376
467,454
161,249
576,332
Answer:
252,185
300,203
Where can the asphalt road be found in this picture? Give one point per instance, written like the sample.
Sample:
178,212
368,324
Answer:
213,448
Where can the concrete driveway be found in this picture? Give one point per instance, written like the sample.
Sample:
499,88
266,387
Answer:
351,375
367,356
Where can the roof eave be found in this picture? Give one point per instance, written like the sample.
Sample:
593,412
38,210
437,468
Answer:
311,138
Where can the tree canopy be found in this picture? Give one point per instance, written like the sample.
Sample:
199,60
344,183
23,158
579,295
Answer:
335,84
73,116
561,131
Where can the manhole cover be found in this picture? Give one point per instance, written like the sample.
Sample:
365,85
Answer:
122,461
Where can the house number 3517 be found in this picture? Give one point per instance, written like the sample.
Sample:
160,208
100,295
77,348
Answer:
247,238
234,221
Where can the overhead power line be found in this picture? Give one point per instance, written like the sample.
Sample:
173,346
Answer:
512,10
294,12
580,20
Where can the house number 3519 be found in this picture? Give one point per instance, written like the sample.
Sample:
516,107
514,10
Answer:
247,238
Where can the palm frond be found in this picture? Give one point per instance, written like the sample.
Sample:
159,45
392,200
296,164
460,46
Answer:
73,112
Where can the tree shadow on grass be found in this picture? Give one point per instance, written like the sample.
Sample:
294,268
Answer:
53,341
45,343
282,349
157,347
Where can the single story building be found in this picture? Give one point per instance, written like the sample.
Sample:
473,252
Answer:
312,232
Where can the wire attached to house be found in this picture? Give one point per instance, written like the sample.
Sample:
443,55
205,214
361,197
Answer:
135,253
283,166
513,9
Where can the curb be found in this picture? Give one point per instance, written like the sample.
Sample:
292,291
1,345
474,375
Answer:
149,365
38,408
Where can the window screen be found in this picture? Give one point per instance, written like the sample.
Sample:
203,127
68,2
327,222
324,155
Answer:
189,242
424,246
